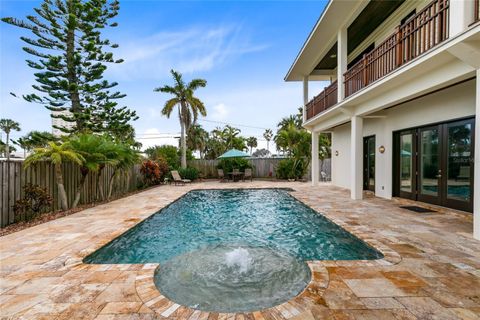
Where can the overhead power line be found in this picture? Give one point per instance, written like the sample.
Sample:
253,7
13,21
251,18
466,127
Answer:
232,124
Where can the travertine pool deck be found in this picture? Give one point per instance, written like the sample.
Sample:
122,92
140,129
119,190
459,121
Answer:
431,268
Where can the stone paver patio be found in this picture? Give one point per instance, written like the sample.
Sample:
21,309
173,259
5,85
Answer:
431,268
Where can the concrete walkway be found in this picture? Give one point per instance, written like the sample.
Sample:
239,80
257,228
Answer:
431,268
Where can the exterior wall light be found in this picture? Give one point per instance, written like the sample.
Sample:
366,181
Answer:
381,149
336,153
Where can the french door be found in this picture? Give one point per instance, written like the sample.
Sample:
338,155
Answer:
435,164
369,163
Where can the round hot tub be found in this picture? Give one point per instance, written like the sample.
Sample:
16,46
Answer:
232,278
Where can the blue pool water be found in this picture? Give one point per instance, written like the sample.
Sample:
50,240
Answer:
269,218
233,250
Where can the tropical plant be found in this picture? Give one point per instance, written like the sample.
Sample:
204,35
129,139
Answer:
70,58
296,144
292,168
95,150
57,154
127,157
232,139
189,106
197,139
228,164
154,171
261,153
166,152
125,135
293,141
268,135
35,200
294,119
252,143
7,126
34,139
189,173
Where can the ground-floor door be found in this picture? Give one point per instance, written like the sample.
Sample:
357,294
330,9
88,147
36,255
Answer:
369,163
435,164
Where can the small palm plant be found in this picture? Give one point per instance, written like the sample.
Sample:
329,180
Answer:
57,154
127,157
7,125
189,106
93,150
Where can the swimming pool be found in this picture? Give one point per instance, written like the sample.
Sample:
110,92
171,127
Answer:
258,217
234,250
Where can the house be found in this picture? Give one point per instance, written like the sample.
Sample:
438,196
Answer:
402,101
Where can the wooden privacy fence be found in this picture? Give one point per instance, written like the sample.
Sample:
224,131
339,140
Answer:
261,167
13,176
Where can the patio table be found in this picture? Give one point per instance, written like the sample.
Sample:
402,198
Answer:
235,175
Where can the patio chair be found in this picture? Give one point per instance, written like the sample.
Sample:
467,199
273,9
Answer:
237,175
221,175
177,179
248,174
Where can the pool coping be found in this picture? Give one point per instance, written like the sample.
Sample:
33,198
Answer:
150,295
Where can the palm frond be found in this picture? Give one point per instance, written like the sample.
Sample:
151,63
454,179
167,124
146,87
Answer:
196,83
169,105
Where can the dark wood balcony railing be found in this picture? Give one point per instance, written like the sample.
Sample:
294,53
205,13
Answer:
323,101
417,35
476,13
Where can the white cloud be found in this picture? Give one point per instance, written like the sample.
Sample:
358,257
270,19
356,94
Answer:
220,112
190,50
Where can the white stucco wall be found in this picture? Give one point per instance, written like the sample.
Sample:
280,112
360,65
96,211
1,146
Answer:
452,103
341,162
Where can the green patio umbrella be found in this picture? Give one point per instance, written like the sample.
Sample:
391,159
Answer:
234,153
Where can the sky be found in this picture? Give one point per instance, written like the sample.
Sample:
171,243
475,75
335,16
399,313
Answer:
242,48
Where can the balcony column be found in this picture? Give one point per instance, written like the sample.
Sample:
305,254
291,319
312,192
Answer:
476,169
305,97
341,62
461,15
356,158
315,161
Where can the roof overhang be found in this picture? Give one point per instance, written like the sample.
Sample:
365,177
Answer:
319,51
322,37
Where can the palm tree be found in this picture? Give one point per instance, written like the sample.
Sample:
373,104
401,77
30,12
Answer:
7,125
94,150
268,134
189,106
24,143
252,143
230,137
34,139
127,157
197,139
57,154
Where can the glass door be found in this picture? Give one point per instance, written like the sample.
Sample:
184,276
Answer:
459,164
406,168
369,163
429,166
435,164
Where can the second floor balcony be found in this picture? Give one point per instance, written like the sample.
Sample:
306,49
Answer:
415,36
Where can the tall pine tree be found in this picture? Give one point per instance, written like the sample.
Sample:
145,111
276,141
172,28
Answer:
70,57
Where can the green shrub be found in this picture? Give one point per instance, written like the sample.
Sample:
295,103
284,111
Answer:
291,168
190,173
168,153
35,201
228,164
